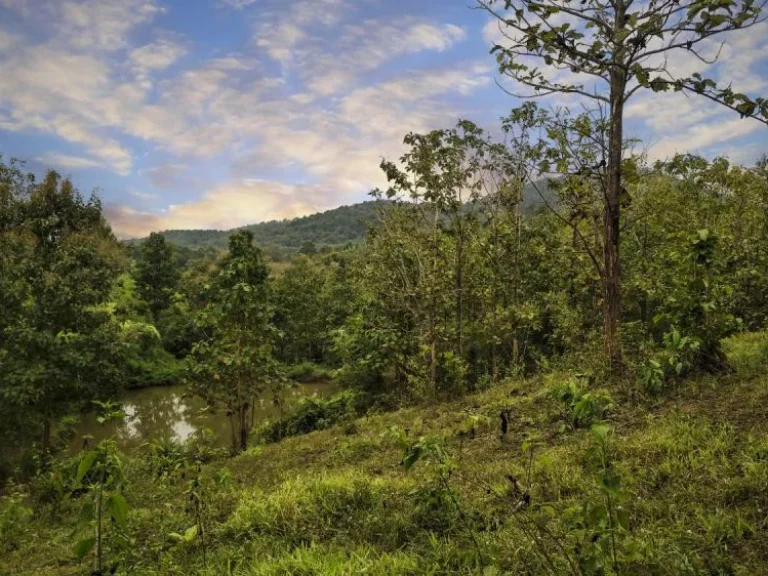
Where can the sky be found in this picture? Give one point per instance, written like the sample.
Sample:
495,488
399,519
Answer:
219,113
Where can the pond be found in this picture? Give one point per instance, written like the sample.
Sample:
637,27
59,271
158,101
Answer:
170,412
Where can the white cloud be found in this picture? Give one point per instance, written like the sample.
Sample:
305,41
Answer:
102,24
143,195
699,137
226,206
364,47
156,56
238,4
59,161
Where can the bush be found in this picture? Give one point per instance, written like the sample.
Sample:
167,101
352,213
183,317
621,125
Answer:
309,372
314,414
676,359
153,367
581,408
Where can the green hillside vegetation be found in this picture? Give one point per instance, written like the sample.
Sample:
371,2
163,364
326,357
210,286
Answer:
333,228
675,487
566,383
337,227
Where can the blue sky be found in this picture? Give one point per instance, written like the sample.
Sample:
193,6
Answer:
220,113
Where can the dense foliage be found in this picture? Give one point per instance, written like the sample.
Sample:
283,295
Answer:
337,227
553,351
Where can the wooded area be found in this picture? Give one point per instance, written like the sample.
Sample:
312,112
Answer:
551,349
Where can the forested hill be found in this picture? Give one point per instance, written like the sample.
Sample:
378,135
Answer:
334,227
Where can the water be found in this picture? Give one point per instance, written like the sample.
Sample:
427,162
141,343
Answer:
170,412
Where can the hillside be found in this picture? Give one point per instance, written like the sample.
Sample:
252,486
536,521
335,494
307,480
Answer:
684,480
336,227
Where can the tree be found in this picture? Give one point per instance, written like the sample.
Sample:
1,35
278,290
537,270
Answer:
308,248
234,364
620,47
156,273
301,314
58,344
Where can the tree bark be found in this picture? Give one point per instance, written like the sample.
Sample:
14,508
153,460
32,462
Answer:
459,294
611,214
243,428
46,436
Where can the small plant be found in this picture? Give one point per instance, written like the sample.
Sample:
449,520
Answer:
439,496
581,409
675,360
604,523
314,414
100,473
14,515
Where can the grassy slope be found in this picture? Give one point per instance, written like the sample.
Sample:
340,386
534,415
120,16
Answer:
338,502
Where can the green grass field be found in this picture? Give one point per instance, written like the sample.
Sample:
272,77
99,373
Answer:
684,491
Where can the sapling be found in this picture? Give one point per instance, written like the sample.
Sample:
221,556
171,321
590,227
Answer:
100,472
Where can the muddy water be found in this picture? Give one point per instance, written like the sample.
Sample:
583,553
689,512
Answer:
170,412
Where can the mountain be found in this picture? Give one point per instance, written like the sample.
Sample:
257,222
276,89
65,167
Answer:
342,225
336,227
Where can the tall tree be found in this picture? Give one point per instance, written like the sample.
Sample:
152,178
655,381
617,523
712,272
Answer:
59,346
234,364
156,273
617,48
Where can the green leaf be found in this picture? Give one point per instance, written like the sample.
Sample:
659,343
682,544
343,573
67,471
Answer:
600,431
190,533
118,509
86,462
86,514
411,457
597,514
83,547
622,516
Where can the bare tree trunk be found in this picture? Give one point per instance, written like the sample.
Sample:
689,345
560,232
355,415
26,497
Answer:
46,436
243,421
611,215
232,428
459,293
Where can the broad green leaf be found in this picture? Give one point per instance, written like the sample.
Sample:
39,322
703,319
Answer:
83,547
86,462
86,513
118,509
411,457
190,533
622,516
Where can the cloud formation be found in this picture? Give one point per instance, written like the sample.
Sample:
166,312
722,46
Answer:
287,110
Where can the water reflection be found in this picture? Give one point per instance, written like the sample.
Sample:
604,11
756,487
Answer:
171,413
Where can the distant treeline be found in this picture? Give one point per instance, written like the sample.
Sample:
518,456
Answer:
330,229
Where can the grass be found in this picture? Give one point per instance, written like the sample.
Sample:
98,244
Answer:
693,472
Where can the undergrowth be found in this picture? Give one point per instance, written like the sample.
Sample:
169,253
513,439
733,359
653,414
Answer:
578,481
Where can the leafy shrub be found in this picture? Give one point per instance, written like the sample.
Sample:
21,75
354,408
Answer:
309,372
14,517
581,409
314,414
153,367
676,359
165,456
